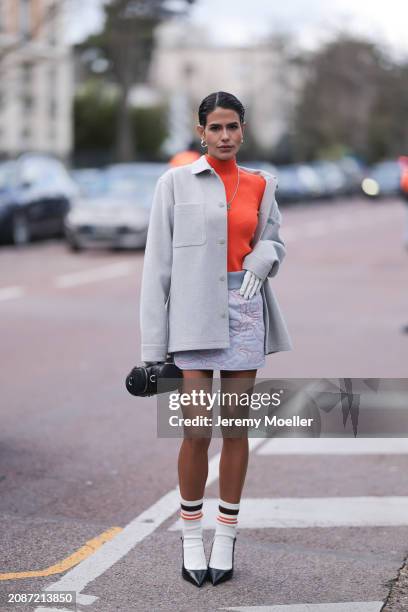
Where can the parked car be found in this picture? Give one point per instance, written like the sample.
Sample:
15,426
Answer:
116,214
354,172
332,178
310,180
88,180
35,195
382,180
148,172
298,183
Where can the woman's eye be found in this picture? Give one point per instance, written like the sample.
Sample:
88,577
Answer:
213,128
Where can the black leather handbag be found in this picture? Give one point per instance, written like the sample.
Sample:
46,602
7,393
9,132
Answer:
143,381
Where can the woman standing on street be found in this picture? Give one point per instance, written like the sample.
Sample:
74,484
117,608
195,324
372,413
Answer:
213,241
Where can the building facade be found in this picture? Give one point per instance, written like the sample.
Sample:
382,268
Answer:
36,78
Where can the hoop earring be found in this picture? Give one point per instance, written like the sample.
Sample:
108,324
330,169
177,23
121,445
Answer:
203,144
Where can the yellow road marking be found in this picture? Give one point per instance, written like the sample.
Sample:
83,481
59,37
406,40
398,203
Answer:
82,553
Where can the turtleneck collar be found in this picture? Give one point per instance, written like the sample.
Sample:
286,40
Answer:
222,166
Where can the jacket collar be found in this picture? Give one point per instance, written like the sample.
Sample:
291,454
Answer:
200,165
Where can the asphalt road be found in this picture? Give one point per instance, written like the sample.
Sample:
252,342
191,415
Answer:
88,491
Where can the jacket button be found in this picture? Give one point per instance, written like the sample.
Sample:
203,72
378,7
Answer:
222,278
222,241
221,204
223,315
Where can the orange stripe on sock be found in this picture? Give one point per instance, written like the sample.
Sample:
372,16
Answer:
191,517
227,521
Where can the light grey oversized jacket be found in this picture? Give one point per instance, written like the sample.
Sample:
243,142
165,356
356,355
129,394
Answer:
184,292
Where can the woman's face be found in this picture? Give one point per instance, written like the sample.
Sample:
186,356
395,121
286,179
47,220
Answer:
223,133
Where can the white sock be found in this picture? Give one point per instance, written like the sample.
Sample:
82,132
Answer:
225,532
191,515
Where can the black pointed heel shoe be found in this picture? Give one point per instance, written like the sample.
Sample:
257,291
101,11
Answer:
196,577
219,575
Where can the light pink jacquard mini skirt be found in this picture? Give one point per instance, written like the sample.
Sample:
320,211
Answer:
246,331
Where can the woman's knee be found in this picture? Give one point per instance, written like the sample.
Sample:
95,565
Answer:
235,439
198,443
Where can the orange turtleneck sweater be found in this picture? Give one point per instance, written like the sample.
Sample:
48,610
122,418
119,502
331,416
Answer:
242,217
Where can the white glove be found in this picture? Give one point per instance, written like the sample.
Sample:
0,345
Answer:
251,285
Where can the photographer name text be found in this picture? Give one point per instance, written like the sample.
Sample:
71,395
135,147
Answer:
274,421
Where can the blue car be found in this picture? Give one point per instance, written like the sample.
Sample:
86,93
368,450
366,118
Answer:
35,195
382,180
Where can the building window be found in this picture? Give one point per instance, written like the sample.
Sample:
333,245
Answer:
188,70
52,81
25,133
52,24
28,102
53,108
25,24
26,73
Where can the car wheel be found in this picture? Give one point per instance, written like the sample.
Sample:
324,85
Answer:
20,231
73,245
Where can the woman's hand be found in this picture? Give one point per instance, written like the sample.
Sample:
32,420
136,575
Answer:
251,285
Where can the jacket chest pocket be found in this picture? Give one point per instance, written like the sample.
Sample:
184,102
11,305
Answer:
189,225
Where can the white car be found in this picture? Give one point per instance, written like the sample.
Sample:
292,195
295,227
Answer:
113,208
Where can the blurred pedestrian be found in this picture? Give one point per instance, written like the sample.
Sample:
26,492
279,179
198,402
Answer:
213,242
182,158
403,161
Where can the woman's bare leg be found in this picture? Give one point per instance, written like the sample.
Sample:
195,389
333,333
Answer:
235,450
233,467
193,454
193,472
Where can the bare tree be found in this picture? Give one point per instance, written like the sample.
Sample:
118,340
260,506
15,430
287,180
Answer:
338,97
127,43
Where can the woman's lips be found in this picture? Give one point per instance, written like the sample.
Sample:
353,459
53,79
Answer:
226,147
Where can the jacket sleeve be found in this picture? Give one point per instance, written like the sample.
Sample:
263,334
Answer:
268,253
156,275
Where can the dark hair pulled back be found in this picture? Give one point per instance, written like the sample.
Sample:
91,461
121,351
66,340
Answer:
222,99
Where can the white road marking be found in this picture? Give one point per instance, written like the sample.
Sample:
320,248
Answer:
9,293
142,526
335,446
346,606
300,512
94,275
